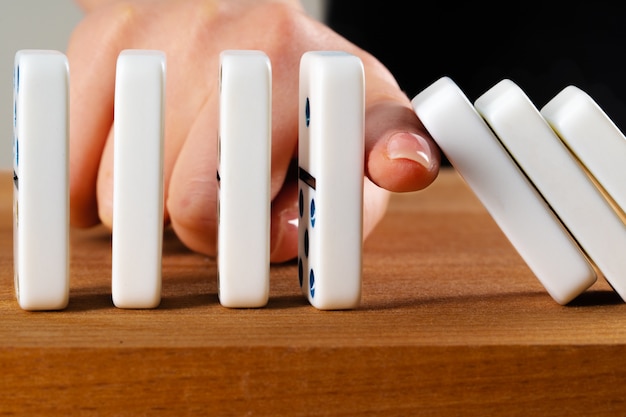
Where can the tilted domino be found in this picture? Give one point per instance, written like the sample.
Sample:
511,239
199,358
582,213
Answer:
515,205
557,175
138,179
41,196
244,155
331,156
592,136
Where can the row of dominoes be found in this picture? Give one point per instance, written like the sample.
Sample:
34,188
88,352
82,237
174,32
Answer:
330,154
330,178
551,178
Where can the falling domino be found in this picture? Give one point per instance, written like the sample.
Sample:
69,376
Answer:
138,179
244,154
330,186
41,198
516,206
592,137
557,175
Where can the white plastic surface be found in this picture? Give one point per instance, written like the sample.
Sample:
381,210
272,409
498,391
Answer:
593,137
41,195
138,179
331,154
558,177
515,205
244,179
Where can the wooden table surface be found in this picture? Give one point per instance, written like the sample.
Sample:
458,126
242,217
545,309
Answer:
452,322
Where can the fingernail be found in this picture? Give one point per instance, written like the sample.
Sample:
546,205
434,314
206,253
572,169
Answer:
405,145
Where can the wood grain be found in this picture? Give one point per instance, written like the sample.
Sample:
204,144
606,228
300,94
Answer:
452,322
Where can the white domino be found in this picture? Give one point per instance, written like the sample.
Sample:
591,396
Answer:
138,179
593,137
244,155
515,205
559,177
331,153
41,198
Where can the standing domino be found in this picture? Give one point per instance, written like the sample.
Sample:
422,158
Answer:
243,172
41,197
138,179
590,135
515,205
330,186
559,178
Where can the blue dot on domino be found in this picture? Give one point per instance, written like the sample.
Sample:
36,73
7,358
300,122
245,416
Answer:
313,213
312,283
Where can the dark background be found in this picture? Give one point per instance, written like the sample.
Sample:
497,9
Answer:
540,47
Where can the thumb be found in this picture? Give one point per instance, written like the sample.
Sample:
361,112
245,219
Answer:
400,154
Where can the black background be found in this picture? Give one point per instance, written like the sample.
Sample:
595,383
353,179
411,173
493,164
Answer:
541,47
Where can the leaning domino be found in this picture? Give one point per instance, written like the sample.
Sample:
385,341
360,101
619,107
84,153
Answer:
559,178
330,185
593,137
244,154
40,176
138,179
515,205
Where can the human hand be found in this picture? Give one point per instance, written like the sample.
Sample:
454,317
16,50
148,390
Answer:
400,156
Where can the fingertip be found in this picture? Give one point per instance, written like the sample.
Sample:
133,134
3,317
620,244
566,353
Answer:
192,204
83,211
193,216
284,224
400,154
83,203
403,162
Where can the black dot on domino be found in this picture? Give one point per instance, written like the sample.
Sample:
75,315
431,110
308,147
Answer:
307,112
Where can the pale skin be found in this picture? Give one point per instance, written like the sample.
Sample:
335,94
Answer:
400,155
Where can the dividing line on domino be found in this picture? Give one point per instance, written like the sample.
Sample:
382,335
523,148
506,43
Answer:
330,185
513,202
593,138
137,235
40,176
558,176
244,156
